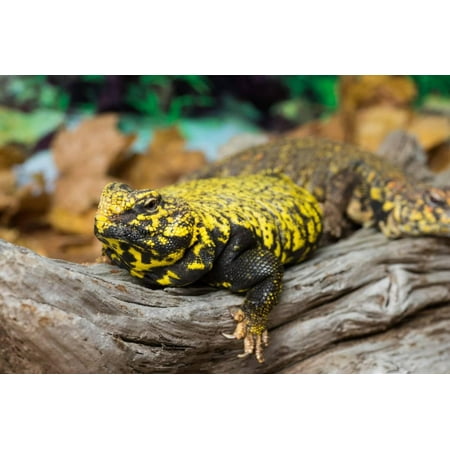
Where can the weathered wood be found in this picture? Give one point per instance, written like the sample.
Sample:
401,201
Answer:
57,316
404,150
364,304
420,344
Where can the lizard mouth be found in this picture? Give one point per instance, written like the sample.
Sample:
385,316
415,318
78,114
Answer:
117,228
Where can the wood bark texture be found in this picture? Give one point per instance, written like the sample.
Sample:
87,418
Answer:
364,304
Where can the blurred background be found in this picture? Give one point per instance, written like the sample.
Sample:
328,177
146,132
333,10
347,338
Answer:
62,138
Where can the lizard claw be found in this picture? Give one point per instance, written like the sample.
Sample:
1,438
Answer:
228,335
253,342
249,346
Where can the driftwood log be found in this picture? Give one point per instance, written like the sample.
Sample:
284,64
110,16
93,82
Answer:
364,304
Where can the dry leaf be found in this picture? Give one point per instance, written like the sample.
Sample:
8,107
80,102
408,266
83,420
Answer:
363,91
358,91
54,244
373,124
10,195
11,155
72,222
430,130
21,208
84,158
165,161
9,234
329,128
78,194
439,158
95,146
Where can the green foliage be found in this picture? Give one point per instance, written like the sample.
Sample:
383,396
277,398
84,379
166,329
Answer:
160,96
97,79
169,98
319,89
27,128
431,85
310,97
31,92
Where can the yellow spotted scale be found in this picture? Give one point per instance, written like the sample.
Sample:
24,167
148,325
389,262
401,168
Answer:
230,232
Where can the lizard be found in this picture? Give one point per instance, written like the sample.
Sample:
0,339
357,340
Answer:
355,187
236,233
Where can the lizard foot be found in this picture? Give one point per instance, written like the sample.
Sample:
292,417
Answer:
253,342
335,225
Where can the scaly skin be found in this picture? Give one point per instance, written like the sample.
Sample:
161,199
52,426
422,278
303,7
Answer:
354,186
234,233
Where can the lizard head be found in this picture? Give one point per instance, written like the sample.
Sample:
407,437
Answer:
416,211
142,229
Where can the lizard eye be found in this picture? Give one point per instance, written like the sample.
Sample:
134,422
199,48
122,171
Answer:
436,197
151,203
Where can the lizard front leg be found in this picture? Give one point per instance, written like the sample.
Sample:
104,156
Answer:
258,273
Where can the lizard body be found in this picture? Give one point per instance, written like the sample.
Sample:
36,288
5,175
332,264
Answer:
232,232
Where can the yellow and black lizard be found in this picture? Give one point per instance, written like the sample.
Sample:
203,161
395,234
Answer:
237,232
232,232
